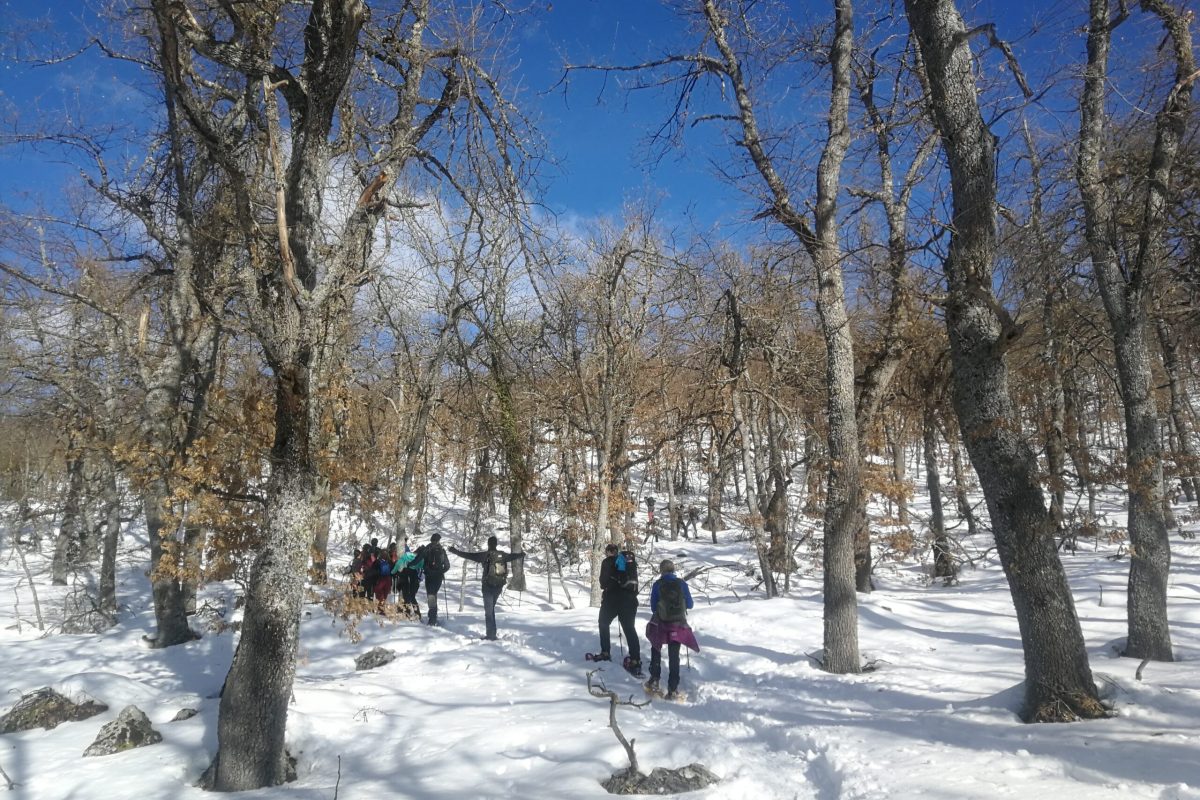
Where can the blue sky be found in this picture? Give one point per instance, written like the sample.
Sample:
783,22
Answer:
597,138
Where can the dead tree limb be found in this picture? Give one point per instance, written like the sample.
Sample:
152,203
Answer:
598,689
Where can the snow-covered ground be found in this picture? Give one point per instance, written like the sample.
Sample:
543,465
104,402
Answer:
456,717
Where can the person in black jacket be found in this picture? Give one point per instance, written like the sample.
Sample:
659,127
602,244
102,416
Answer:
619,600
436,565
495,577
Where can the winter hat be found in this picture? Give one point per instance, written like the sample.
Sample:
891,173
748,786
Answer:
435,538
666,566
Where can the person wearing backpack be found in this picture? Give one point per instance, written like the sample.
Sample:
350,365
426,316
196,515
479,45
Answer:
619,600
494,579
408,581
670,600
382,586
370,573
437,563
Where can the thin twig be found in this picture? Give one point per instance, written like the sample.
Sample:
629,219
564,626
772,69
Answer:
614,700
8,780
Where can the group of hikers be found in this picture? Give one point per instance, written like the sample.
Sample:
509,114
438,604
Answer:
670,599
377,572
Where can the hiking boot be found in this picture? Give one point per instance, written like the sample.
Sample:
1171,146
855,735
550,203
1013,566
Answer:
671,695
651,686
602,657
633,666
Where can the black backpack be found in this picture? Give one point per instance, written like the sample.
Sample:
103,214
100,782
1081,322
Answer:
435,559
672,605
627,579
495,569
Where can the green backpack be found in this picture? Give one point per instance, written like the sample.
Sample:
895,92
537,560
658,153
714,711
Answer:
672,605
495,570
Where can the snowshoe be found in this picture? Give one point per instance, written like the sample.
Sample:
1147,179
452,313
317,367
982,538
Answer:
633,666
675,696
597,657
652,688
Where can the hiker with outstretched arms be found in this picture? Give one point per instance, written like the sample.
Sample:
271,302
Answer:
670,600
494,579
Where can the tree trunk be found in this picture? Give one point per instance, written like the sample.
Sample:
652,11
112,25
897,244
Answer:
600,535
112,537
1055,423
1150,548
69,541
962,499
899,475
252,721
775,514
1077,439
170,614
674,513
943,559
1123,284
752,503
1058,680
319,571
1181,412
719,464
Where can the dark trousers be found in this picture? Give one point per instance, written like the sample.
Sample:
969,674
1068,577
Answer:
623,609
490,595
672,665
433,583
409,581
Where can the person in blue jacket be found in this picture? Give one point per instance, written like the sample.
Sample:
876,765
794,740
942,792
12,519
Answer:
670,599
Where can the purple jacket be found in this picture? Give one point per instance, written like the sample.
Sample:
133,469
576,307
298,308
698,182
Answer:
660,633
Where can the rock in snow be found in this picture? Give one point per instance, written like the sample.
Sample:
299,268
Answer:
46,708
130,729
661,781
376,657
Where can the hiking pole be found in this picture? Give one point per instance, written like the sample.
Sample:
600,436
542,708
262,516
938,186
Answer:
621,641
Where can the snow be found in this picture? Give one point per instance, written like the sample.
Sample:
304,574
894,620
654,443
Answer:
457,717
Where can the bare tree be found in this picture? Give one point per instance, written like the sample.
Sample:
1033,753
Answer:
1124,283
365,93
600,306
1058,680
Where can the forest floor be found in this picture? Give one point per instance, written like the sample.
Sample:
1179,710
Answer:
456,717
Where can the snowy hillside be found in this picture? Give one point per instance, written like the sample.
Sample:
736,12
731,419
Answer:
456,717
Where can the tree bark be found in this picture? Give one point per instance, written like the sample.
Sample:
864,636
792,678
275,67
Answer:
843,520
112,537
943,558
251,723
69,541
1058,680
1181,412
1122,288
736,365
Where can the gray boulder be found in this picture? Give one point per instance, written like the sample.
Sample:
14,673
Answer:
130,729
184,713
46,708
373,658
